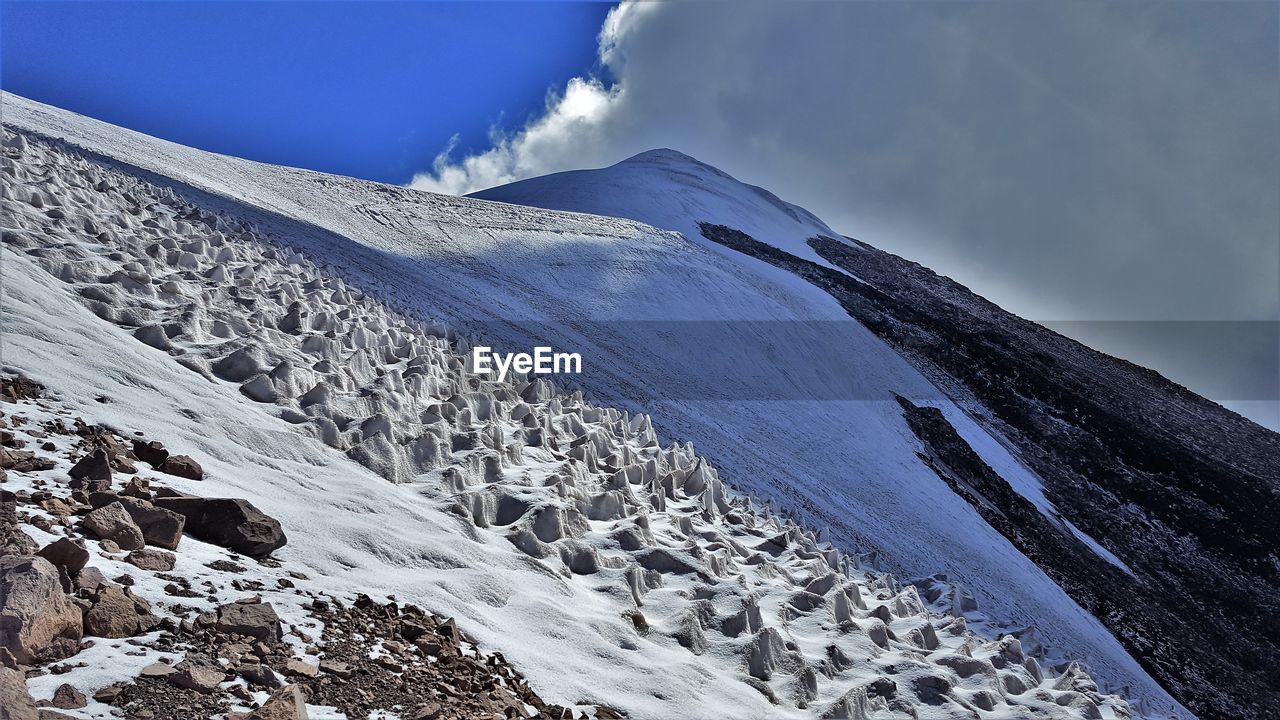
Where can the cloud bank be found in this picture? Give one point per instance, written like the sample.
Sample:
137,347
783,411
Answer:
1070,161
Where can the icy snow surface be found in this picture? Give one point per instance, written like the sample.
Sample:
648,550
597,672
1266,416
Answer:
249,393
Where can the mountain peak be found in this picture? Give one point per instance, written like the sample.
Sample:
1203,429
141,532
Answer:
661,155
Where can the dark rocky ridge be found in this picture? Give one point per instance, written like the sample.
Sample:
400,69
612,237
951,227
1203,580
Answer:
1183,491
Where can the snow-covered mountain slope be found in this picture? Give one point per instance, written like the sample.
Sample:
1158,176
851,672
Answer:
601,286
670,190
1104,433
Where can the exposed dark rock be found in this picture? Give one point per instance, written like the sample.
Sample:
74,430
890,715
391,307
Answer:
1183,491
231,523
152,453
92,472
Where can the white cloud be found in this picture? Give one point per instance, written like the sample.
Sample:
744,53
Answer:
1082,161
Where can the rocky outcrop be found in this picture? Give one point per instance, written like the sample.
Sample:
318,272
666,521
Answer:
38,622
231,523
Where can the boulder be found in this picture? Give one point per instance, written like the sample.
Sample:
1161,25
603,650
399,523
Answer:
15,701
113,614
182,466
287,703
152,453
231,523
198,673
160,527
112,522
250,617
151,559
156,670
38,622
93,471
66,553
90,578
67,697
12,540
298,667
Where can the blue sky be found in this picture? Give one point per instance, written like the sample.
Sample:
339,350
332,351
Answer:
373,89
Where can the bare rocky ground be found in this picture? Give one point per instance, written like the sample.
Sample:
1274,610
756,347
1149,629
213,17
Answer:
238,660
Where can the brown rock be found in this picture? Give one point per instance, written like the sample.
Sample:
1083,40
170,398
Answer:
157,670
197,673
250,617
152,453
182,466
259,674
298,667
151,559
228,522
90,579
67,697
112,522
113,615
15,701
38,622
92,471
287,703
333,667
160,527
136,488
65,553
108,694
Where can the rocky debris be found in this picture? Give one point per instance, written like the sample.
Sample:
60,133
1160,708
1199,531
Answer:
182,466
151,559
15,701
38,622
20,387
160,527
67,697
228,522
383,656
112,522
251,618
